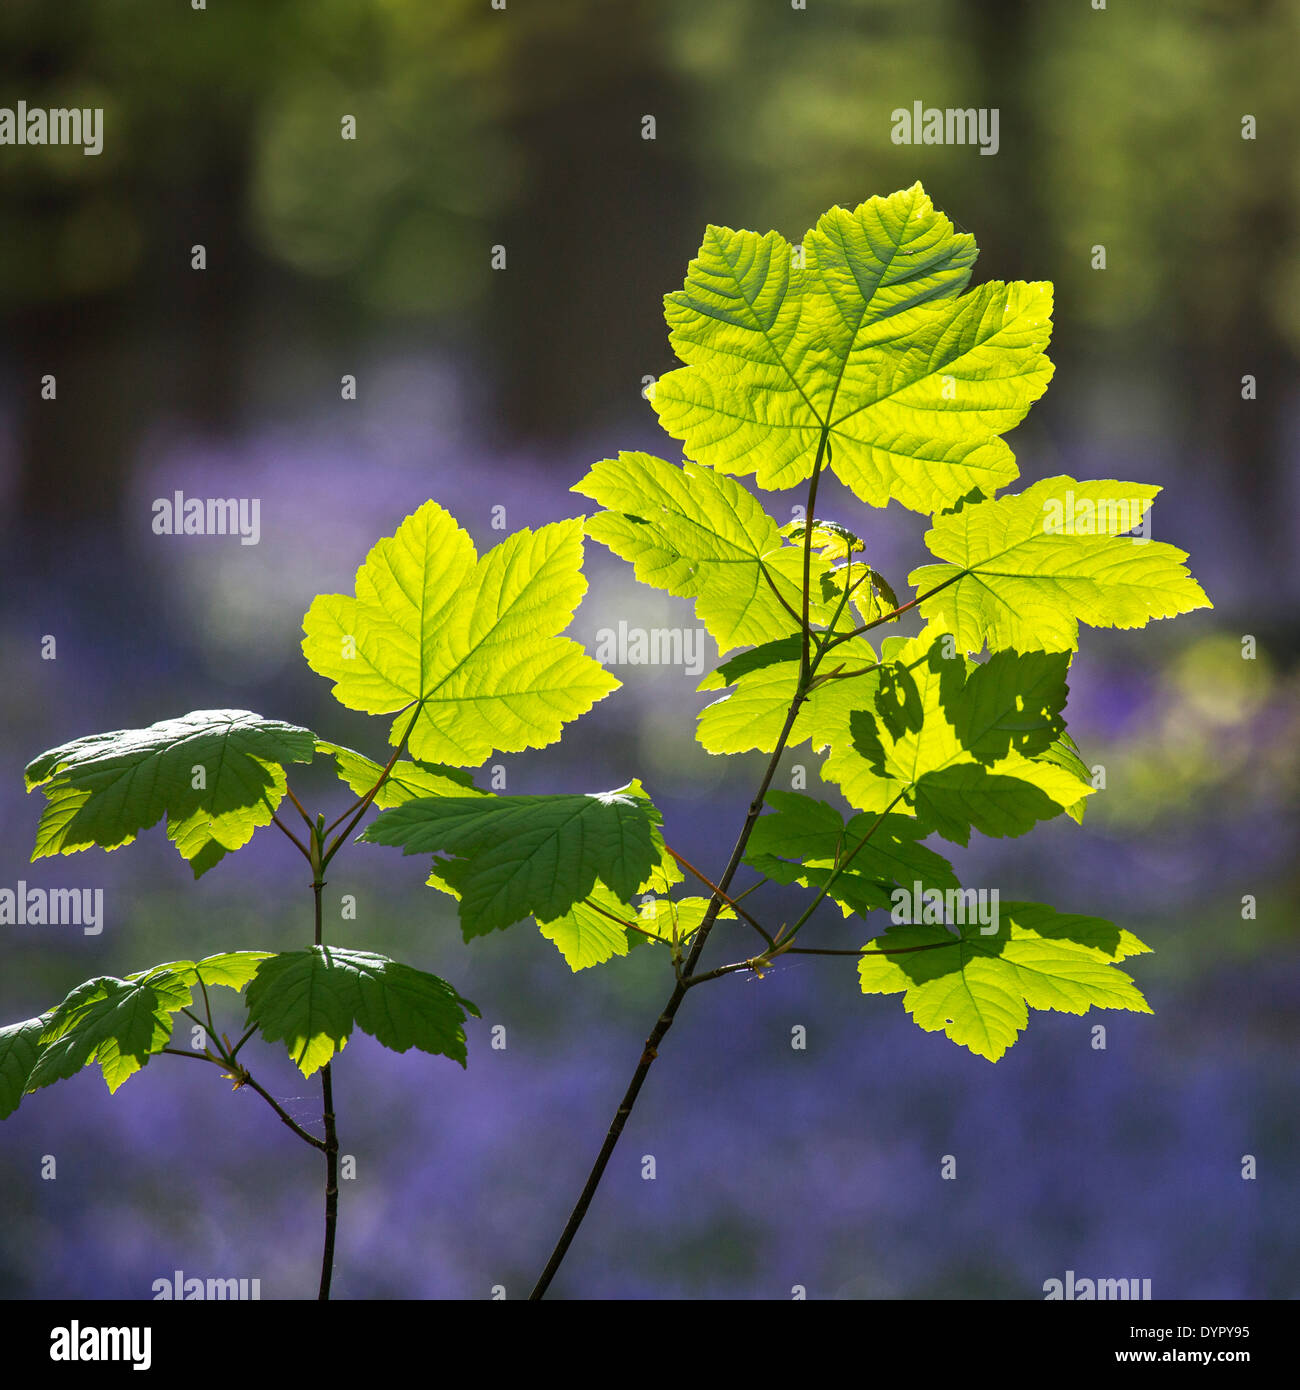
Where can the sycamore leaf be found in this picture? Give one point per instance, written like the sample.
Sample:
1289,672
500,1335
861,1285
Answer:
802,840
1063,752
118,1023
701,536
591,931
1025,570
826,536
215,774
522,856
869,345
312,999
19,1048
233,969
753,712
957,740
587,934
122,1023
784,649
979,989
407,781
468,648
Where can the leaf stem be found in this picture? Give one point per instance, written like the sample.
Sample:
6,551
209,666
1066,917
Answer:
365,801
804,627
302,811
787,936
893,613
780,597
306,853
808,669
246,1079
732,903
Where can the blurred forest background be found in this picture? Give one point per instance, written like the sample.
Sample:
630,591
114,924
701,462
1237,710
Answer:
522,128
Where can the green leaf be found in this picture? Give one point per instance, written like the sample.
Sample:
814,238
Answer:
587,933
525,856
312,999
826,536
1063,752
1015,578
104,789
784,649
871,346
957,740
978,989
590,932
407,781
118,1023
19,1048
698,535
753,712
233,969
466,647
802,840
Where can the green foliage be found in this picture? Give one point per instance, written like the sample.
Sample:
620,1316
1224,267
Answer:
1014,582
312,999
216,774
804,840
469,646
118,1023
979,989
405,782
863,353
520,856
697,534
20,1045
957,741
869,350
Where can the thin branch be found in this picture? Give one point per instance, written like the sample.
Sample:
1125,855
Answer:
780,598
894,613
733,903
805,664
365,801
756,964
808,669
288,1119
245,1079
302,849
301,809
331,1150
